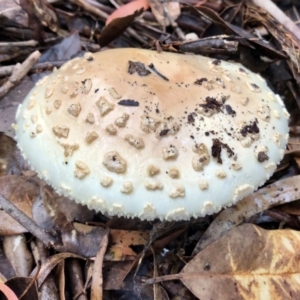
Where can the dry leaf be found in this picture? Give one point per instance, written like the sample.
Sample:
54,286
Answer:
82,239
294,148
50,210
279,192
127,10
9,104
117,26
121,242
115,273
15,249
6,269
13,12
21,192
247,263
24,286
10,158
8,293
291,208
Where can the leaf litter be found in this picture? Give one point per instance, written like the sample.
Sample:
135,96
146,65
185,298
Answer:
223,256
248,262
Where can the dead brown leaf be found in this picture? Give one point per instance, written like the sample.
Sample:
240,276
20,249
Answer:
23,286
6,269
121,242
294,148
9,104
10,158
291,208
15,249
114,274
50,210
279,192
249,263
7,292
13,12
116,27
21,192
82,239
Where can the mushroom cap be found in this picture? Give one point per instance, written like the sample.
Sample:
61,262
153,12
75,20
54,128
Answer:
155,135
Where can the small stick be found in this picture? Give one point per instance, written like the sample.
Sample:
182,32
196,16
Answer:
97,281
20,70
44,66
30,43
91,9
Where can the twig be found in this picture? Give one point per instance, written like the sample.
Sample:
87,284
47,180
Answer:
20,70
91,9
44,66
279,15
30,43
97,281
133,33
163,278
47,238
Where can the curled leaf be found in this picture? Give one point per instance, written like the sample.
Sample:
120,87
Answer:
127,10
9,294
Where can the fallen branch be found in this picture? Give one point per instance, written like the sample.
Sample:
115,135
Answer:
20,70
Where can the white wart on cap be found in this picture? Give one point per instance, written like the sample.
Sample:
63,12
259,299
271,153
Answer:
155,135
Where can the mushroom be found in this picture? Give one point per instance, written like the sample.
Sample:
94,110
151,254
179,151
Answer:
155,135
